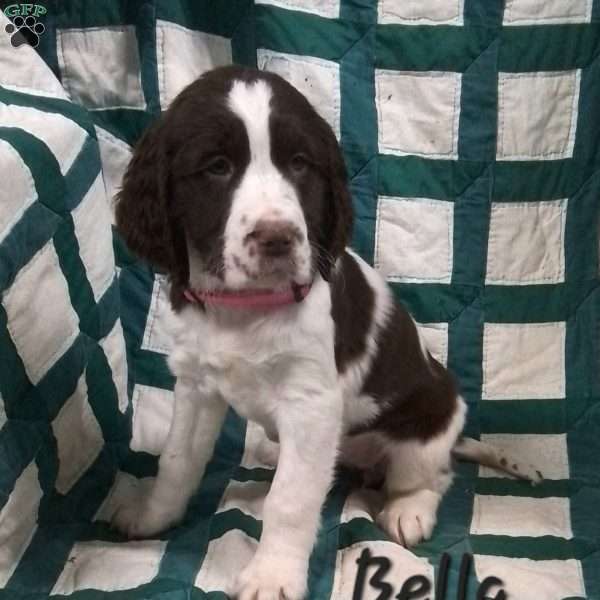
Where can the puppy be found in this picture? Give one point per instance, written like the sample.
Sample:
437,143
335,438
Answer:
239,193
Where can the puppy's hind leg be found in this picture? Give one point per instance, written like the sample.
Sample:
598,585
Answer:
418,475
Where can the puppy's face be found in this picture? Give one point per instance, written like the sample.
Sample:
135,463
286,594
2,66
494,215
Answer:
240,185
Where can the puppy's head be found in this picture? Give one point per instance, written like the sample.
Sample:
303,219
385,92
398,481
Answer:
240,185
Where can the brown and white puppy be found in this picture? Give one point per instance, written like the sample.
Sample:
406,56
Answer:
239,192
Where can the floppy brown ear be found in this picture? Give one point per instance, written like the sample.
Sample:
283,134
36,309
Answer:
142,210
340,217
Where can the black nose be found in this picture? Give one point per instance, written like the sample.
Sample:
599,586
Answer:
274,238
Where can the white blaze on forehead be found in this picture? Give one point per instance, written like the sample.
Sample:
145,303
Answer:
251,103
263,192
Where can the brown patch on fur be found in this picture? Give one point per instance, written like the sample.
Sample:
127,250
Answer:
503,462
352,302
420,395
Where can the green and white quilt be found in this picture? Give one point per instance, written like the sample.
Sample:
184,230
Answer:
471,132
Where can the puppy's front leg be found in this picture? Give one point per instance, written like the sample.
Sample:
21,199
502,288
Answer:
309,430
196,423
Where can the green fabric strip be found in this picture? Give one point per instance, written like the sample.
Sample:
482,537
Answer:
71,111
523,416
305,34
431,47
545,547
548,47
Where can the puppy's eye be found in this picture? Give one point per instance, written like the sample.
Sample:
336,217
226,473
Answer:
220,166
299,163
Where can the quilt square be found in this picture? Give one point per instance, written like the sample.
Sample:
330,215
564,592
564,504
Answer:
414,239
549,449
16,198
78,437
552,12
184,54
526,243
531,517
91,218
421,12
523,361
418,112
316,78
226,555
435,336
109,566
114,349
152,413
19,517
528,579
41,320
537,115
100,66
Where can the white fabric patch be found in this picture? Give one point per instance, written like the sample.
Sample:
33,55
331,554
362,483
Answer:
16,198
531,517
247,496
323,8
528,579
316,78
113,346
418,112
25,71
41,320
63,137
414,239
78,437
185,54
226,555
421,12
435,336
91,218
404,565
152,413
125,490
526,243
548,452
100,67
18,521
537,115
115,155
523,361
109,566
251,458
361,503
537,12
156,333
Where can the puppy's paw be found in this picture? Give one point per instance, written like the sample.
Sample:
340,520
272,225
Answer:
272,578
410,519
143,520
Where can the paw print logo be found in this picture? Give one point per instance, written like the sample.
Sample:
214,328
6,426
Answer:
25,30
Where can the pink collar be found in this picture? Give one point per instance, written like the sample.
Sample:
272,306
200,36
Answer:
256,299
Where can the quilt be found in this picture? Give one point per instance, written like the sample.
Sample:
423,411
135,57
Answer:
471,134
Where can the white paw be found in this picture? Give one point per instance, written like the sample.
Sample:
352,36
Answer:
272,578
141,520
410,519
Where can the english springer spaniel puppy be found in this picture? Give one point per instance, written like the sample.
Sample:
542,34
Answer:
239,192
